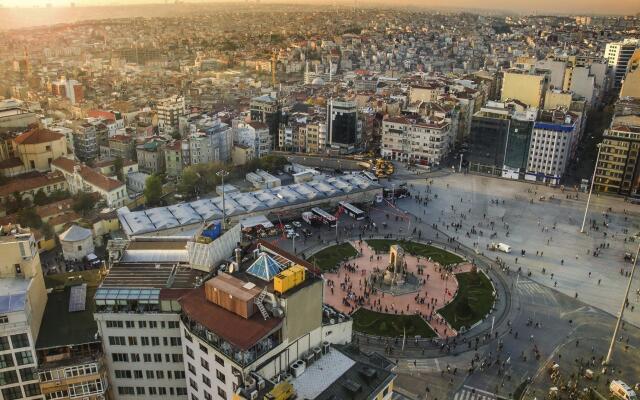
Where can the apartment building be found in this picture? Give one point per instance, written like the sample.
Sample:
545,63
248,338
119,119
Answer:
85,142
343,124
150,155
553,145
259,317
267,109
23,297
176,158
38,147
81,178
617,170
524,86
618,55
28,186
253,134
169,112
419,140
137,314
631,83
69,351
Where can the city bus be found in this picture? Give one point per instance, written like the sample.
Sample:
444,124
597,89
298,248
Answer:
324,216
370,176
353,211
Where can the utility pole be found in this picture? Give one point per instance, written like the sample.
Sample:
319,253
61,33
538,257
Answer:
624,304
593,178
222,173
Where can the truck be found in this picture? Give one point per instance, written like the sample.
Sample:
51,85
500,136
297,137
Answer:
622,391
505,248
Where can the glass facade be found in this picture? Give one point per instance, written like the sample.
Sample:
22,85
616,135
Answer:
517,145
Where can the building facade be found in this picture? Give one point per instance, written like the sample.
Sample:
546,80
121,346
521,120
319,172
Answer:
342,121
267,109
617,170
618,55
421,141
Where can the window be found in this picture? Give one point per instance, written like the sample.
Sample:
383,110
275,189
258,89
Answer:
153,324
203,349
122,374
8,377
133,341
28,374
4,343
140,390
179,374
117,341
20,341
129,324
206,380
191,368
124,390
219,360
12,393
189,352
149,374
24,357
146,357
153,390
187,336
155,341
160,374
120,357
181,391
157,357
176,341
144,340
207,396
142,324
115,324
220,376
173,324
162,391
222,393
4,319
193,384
60,394
137,374
135,357
176,358
204,363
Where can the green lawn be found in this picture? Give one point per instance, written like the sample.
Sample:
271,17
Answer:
473,301
328,258
417,249
381,324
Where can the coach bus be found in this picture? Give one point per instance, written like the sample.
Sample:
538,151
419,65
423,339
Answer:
353,211
324,216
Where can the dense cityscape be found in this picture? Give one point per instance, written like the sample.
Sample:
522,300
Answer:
245,201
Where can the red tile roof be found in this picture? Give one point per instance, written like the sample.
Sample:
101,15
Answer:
89,175
38,135
242,333
23,184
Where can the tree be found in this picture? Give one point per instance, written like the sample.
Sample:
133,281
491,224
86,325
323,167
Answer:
189,183
47,231
153,190
27,217
83,203
40,198
118,166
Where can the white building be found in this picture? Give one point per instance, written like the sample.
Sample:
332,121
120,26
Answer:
553,145
76,243
22,302
425,141
255,135
209,140
618,55
81,178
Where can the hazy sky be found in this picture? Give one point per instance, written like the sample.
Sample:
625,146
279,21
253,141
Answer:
538,6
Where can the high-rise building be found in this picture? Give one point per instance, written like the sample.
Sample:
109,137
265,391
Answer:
85,142
553,145
267,109
618,55
500,138
342,121
259,317
617,170
169,112
23,298
422,141
631,83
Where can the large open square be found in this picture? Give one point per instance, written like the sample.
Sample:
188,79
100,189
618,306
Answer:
545,223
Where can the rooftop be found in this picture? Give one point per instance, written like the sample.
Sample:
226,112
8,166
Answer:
150,275
22,184
14,294
88,174
37,136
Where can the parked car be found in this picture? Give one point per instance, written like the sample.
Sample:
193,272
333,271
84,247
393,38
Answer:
297,224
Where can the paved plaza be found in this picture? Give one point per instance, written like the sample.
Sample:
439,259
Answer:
345,289
490,210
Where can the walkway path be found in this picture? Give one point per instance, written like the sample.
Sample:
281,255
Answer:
347,285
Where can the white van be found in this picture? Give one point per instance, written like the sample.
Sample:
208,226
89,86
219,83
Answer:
505,248
622,391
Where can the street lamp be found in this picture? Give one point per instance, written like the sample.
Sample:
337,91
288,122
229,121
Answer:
460,167
624,304
222,173
593,178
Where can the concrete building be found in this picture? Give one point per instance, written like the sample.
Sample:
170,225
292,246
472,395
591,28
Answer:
150,155
259,318
85,142
122,146
81,178
526,87
23,297
70,360
500,139
267,109
169,112
14,115
255,135
141,336
209,140
242,154
631,83
174,158
342,121
618,55
68,88
553,145
617,170
30,185
420,141
38,147
76,243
